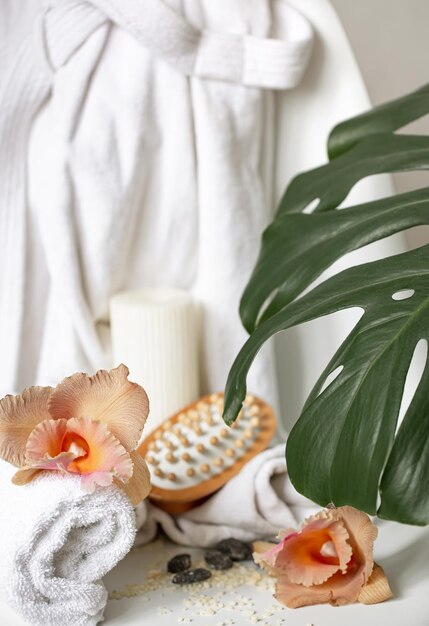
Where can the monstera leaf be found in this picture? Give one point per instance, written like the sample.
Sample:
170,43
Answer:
345,447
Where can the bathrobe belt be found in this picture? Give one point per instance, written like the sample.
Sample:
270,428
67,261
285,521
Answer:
238,58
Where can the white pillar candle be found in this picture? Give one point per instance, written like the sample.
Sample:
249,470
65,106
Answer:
155,333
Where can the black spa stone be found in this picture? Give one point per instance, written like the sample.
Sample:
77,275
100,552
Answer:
179,563
197,575
218,560
237,550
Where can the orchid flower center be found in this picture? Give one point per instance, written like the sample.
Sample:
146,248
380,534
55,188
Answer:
72,442
328,549
80,448
321,548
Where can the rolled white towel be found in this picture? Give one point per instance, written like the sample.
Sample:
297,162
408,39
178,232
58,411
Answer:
255,504
57,544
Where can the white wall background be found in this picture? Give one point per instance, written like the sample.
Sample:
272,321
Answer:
391,43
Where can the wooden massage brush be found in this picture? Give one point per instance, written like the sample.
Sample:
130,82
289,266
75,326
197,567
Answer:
192,454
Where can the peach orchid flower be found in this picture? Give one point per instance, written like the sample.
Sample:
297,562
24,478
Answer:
329,560
88,426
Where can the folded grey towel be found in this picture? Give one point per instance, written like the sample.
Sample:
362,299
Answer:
255,504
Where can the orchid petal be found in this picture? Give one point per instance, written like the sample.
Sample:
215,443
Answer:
45,441
18,417
294,595
138,487
89,482
265,554
285,533
108,396
362,533
25,475
340,589
59,463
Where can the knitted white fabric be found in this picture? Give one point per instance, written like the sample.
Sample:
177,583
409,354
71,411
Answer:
131,156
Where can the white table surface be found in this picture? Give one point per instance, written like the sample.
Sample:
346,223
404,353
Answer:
402,551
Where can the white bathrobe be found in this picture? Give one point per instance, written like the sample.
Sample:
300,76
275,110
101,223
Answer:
145,143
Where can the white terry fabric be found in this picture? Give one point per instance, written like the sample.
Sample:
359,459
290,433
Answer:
255,504
144,169
57,544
